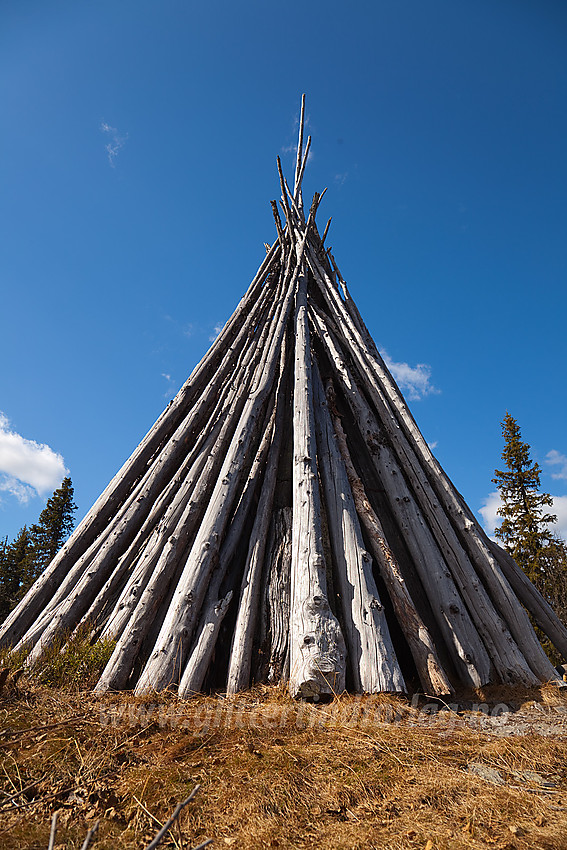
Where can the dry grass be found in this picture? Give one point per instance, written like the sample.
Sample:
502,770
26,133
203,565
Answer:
357,773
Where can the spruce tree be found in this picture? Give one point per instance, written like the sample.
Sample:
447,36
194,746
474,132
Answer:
524,530
524,527
23,560
16,563
55,523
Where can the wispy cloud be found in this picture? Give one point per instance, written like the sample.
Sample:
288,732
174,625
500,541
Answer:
290,148
492,502
340,179
116,142
489,512
555,458
27,468
415,380
171,388
216,331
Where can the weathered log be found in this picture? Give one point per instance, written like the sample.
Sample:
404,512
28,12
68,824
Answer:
529,595
298,169
433,677
297,189
372,656
138,611
465,646
317,650
278,594
195,671
504,651
517,646
241,649
171,647
112,497
200,660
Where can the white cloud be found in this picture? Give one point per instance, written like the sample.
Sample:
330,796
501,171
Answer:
115,144
290,148
492,502
27,468
559,507
22,492
340,179
489,512
415,380
555,458
216,331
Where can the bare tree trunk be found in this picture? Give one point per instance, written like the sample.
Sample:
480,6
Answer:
463,642
113,496
514,649
373,659
433,677
278,594
172,644
242,641
317,650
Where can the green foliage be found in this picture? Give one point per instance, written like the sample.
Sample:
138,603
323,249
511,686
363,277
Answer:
73,660
23,560
55,523
524,530
16,569
524,527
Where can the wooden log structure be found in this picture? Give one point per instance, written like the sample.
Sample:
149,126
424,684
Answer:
285,520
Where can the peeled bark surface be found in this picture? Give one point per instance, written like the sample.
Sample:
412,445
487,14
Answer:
278,595
374,664
249,533
433,677
317,650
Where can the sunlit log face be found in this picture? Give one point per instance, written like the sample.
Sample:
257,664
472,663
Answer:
285,520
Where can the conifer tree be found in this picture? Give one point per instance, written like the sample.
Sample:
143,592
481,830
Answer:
524,527
16,562
23,560
524,530
55,523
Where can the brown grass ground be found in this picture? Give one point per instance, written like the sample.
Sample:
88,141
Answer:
374,772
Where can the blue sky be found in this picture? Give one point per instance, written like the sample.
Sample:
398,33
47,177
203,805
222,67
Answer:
137,163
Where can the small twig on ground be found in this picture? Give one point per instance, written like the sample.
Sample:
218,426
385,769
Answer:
90,836
51,844
5,803
168,824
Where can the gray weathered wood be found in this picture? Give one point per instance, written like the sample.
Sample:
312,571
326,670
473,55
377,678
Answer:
173,641
200,658
15,626
317,649
278,594
241,650
504,652
433,677
372,656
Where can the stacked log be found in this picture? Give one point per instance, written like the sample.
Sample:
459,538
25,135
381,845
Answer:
285,519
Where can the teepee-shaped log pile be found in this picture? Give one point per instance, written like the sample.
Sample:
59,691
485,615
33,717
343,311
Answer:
285,519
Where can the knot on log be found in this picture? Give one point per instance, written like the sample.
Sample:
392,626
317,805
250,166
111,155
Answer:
376,604
316,604
454,609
